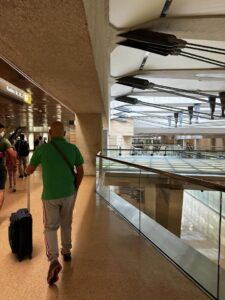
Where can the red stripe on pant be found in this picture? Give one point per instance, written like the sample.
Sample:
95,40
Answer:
45,236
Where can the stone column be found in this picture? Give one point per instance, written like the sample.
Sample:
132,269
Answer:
121,134
213,143
88,138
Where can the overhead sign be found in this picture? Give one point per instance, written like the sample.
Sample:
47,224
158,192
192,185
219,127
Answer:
10,90
27,98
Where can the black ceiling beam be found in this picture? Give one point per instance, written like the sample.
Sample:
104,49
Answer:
144,114
135,101
168,44
166,8
154,38
144,84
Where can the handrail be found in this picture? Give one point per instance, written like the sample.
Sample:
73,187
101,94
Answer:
117,149
175,150
189,179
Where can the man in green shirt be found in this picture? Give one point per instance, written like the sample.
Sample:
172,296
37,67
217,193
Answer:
5,149
59,193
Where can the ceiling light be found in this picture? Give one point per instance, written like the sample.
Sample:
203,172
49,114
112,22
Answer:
211,75
29,90
45,99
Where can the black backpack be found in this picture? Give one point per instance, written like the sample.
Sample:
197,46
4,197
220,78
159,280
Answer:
23,148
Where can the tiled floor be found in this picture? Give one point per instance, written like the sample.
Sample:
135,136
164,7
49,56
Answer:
110,259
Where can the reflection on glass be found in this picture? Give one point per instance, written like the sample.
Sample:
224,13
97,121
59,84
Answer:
162,201
222,251
132,194
183,220
200,221
191,215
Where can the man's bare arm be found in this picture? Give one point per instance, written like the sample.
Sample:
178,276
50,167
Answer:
30,169
80,175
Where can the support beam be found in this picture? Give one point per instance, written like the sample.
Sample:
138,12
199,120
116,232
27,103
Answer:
203,28
88,139
168,211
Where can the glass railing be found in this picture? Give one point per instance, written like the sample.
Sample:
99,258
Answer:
167,209
177,162
158,151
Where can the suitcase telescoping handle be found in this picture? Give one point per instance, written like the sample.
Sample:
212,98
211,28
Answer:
28,193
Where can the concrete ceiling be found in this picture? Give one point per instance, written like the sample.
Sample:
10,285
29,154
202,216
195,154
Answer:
69,50
49,42
194,21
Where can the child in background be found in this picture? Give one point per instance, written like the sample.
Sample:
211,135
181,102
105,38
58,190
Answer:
12,167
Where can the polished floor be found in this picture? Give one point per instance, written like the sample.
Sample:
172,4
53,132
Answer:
110,259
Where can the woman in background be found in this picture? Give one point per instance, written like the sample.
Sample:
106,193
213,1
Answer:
11,168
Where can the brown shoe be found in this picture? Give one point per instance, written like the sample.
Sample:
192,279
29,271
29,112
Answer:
53,272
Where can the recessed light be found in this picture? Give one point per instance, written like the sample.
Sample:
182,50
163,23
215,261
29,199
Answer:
219,75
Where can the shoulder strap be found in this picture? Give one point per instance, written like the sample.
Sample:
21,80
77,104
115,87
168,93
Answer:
64,157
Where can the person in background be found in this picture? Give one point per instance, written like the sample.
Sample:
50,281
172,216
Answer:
5,149
45,140
11,165
36,143
23,149
60,186
40,140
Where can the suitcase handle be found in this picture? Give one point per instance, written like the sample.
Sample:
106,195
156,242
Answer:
28,193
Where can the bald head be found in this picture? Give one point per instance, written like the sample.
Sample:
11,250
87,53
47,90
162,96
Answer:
57,129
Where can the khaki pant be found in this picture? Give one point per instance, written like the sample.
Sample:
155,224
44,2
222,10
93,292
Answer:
58,213
22,165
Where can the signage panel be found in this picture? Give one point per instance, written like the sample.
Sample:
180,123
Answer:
10,90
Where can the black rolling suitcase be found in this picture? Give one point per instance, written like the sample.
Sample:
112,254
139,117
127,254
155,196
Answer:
20,230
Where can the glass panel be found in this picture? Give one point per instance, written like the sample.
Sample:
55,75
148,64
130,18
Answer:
125,193
222,252
102,165
98,172
183,220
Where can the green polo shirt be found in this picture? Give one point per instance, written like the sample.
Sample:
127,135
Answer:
4,145
58,180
